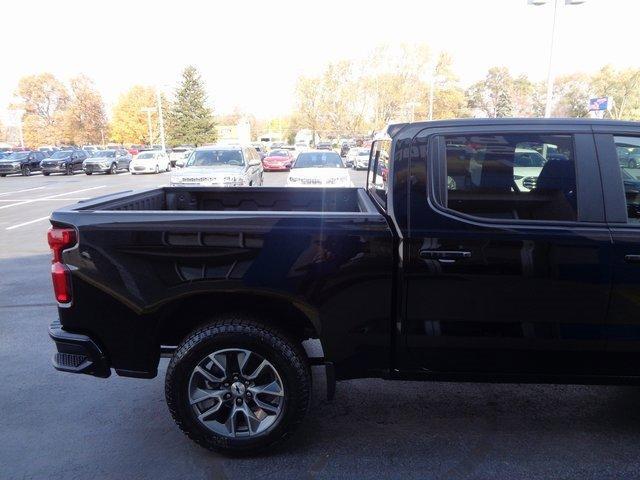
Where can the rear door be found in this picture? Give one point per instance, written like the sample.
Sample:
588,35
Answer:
507,265
620,174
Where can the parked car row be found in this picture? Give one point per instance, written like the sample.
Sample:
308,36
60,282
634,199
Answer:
71,161
216,165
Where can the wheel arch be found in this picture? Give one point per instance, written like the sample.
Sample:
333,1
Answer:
180,317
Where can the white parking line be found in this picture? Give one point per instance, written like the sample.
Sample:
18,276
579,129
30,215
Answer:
20,191
27,223
50,197
46,199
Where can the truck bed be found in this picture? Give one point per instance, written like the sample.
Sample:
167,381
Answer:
142,256
352,200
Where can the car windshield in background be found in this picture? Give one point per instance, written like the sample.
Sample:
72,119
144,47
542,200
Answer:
529,159
104,153
145,156
210,158
61,154
318,160
278,153
18,156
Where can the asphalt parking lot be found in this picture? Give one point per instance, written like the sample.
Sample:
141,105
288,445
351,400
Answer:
55,425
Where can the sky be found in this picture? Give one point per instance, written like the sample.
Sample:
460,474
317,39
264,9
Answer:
250,53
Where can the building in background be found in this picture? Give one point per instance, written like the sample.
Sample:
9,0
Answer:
238,133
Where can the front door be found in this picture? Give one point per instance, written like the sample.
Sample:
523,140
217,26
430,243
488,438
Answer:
508,258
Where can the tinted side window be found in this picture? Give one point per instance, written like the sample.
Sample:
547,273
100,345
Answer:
628,150
512,176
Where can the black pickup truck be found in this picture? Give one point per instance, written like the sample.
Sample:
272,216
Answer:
479,250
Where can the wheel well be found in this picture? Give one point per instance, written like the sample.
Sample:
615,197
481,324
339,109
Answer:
180,318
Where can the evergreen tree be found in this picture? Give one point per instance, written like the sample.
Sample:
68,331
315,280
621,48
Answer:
190,120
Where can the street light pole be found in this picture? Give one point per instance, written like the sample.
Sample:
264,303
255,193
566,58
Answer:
432,85
160,119
20,132
550,79
149,110
549,99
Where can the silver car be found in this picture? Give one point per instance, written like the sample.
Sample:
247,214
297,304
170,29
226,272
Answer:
107,161
221,166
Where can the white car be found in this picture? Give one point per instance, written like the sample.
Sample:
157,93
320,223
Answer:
360,159
180,163
301,147
151,161
319,168
350,158
178,156
527,166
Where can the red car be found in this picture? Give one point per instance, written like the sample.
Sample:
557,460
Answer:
277,161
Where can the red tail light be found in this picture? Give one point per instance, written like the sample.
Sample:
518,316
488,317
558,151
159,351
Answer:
60,239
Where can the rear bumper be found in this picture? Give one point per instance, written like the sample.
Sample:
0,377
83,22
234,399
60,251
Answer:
77,353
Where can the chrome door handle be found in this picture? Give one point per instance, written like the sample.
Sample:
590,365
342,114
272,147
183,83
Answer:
632,258
444,254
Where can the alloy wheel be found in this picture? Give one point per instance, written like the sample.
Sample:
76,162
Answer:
236,393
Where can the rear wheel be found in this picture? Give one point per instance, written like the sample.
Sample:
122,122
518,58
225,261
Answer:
88,173
46,174
237,385
3,175
113,170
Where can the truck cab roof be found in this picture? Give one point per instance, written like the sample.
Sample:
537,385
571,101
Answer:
407,130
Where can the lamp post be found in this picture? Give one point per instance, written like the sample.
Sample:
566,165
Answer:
160,119
537,3
149,111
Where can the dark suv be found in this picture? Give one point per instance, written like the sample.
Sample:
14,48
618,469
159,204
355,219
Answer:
64,161
21,162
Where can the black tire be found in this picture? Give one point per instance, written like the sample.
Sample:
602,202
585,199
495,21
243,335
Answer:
88,173
239,332
3,175
46,174
113,170
26,171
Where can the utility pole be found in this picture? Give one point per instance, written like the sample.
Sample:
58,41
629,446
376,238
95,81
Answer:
432,85
149,110
550,79
160,119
